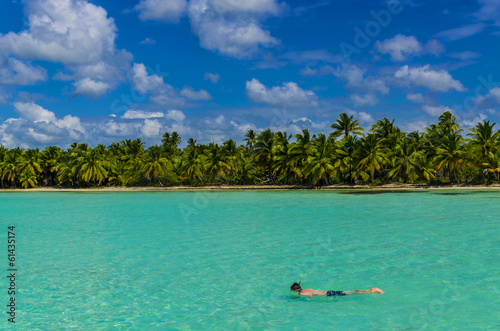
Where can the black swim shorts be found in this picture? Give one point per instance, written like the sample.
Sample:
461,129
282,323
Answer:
334,293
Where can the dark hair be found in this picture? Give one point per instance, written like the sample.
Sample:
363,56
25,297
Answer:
295,287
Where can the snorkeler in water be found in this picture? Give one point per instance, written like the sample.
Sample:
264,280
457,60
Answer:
310,292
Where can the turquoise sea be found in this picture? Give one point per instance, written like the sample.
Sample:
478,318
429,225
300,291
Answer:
226,260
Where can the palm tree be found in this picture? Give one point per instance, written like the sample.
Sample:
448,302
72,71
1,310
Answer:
282,156
193,167
320,164
448,124
250,139
49,158
493,165
246,174
131,157
415,136
346,125
484,137
30,161
92,166
217,162
11,165
345,157
3,153
264,151
372,155
404,160
450,154
155,164
299,151
384,128
28,179
191,143
170,143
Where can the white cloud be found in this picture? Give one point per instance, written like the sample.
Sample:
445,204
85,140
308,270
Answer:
189,93
37,114
495,94
466,55
150,128
415,97
489,11
116,129
462,32
356,81
39,125
40,137
364,118
148,41
486,102
289,94
416,126
364,100
353,74
66,31
34,112
75,33
162,10
364,90
134,114
3,97
436,110
147,129
143,82
473,122
232,27
214,78
90,88
175,115
71,124
308,72
15,72
161,92
440,81
312,57
402,47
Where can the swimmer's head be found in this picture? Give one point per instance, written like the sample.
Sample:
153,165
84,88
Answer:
295,287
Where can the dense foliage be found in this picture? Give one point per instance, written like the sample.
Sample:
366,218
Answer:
346,155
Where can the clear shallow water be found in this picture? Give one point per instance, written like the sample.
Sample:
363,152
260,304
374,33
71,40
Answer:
226,260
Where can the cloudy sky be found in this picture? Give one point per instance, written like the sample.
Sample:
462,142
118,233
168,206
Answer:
99,71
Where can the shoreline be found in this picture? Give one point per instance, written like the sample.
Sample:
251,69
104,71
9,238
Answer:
385,187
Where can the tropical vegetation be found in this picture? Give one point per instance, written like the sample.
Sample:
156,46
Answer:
443,153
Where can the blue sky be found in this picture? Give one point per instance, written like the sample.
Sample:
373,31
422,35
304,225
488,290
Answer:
99,71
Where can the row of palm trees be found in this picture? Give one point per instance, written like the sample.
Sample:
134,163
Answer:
347,155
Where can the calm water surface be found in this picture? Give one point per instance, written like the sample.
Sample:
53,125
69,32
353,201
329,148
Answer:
226,260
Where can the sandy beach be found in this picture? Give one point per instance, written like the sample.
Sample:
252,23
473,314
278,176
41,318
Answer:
393,186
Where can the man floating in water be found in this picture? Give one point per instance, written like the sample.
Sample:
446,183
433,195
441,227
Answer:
310,292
